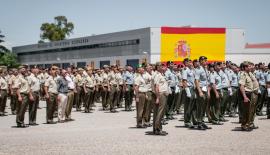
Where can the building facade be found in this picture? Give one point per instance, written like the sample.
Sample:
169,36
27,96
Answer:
120,48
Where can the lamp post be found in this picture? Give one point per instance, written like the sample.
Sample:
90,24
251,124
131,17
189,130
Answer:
145,56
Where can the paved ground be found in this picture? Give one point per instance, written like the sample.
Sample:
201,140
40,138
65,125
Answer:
106,133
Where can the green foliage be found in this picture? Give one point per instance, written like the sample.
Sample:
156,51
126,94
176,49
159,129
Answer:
6,57
9,59
3,49
56,31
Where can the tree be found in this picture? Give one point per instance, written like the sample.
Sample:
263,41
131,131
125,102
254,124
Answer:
6,57
3,49
56,31
10,60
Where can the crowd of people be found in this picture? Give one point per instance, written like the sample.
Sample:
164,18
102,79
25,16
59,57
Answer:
205,91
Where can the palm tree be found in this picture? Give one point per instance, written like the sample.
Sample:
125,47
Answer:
3,49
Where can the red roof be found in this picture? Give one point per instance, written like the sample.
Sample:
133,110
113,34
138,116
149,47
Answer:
261,45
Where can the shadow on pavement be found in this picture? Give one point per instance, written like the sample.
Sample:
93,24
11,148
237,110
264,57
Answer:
237,129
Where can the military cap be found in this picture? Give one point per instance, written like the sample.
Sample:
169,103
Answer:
169,62
80,69
159,64
201,58
195,60
139,66
211,65
186,60
105,66
22,66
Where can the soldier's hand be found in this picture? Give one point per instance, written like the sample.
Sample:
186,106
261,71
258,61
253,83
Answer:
246,100
20,99
31,98
157,101
11,92
208,96
201,94
47,96
217,96
58,99
137,99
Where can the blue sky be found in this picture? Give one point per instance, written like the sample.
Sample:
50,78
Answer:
21,19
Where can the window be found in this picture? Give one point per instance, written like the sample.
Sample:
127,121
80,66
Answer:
65,65
48,65
102,63
102,45
81,64
40,65
133,62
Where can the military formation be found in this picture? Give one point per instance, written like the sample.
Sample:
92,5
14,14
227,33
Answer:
204,91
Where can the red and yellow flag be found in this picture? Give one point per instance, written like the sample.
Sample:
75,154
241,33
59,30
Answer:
178,43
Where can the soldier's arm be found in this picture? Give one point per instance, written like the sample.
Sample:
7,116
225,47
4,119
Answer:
242,82
30,91
242,89
84,87
46,86
213,85
136,90
18,93
197,82
268,81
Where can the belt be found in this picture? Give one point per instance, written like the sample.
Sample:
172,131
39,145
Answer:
36,92
142,92
65,93
250,92
219,90
23,93
3,90
225,89
53,93
90,87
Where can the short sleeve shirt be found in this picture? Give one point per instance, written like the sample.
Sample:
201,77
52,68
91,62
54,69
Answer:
246,81
51,83
148,80
3,83
215,79
161,82
202,75
23,85
140,82
34,83
90,81
189,75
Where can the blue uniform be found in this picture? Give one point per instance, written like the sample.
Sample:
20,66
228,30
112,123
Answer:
128,78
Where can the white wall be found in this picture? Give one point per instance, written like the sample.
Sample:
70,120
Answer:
155,34
252,54
235,40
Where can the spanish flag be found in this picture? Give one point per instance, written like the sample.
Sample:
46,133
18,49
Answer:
178,43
